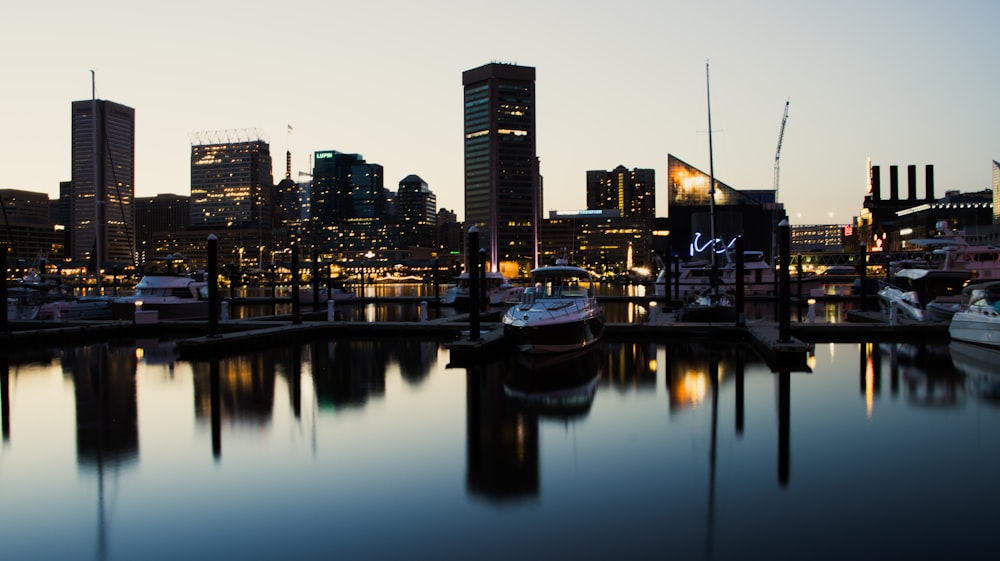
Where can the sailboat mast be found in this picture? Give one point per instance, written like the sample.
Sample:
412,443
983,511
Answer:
98,188
711,181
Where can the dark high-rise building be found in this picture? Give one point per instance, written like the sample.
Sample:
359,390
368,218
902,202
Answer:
28,231
348,204
287,208
632,193
232,190
502,181
162,216
416,210
103,170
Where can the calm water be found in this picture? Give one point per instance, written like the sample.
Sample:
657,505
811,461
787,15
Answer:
380,450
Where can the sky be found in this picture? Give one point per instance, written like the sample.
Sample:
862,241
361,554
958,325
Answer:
617,83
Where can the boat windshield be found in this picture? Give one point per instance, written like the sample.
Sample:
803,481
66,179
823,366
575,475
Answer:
561,286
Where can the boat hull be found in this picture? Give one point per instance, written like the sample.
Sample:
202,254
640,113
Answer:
179,309
977,326
556,337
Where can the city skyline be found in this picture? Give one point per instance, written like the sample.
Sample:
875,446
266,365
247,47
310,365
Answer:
898,82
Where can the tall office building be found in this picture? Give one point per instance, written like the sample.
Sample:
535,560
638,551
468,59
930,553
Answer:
348,204
502,181
158,217
416,210
103,170
232,189
632,193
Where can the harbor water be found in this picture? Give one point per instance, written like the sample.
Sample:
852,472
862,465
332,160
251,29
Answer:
381,450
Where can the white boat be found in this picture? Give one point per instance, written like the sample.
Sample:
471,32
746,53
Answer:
979,321
951,251
924,295
45,297
758,276
169,287
557,313
499,291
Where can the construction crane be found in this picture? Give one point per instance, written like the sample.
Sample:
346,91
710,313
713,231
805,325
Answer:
777,154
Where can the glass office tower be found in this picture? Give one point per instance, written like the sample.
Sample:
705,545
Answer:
502,183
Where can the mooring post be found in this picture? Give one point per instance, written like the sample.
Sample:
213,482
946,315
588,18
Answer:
863,275
472,266
296,308
3,288
315,279
213,285
740,283
798,281
484,301
434,279
784,283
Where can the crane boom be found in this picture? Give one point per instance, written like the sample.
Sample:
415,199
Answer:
777,154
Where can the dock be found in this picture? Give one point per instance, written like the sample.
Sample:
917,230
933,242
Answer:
194,342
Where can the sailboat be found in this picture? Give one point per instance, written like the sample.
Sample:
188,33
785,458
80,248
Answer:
711,304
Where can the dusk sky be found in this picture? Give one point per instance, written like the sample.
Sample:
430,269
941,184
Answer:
900,82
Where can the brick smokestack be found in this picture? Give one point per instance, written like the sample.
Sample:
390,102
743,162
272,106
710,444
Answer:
876,183
911,182
893,183
929,182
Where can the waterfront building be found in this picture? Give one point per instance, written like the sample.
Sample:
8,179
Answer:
103,172
502,181
754,214
632,193
232,190
162,216
599,240
818,237
28,231
416,210
349,207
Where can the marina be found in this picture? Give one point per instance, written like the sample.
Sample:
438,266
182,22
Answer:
680,442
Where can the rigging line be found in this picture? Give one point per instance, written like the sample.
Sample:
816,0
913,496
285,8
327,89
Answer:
121,207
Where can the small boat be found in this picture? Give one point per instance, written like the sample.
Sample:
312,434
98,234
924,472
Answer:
169,287
557,313
45,297
499,291
979,321
924,295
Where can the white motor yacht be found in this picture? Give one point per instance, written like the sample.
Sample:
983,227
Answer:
979,321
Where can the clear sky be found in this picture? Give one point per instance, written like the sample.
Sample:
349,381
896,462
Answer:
623,82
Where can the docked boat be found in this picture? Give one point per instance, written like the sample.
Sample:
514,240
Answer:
557,313
924,295
168,286
45,297
979,321
499,291
952,251
694,277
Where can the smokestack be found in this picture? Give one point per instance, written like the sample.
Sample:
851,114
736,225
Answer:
893,183
911,182
876,183
929,182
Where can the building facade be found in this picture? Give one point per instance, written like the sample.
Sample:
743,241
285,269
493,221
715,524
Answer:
159,217
753,214
502,180
232,190
103,182
416,211
29,233
599,240
632,193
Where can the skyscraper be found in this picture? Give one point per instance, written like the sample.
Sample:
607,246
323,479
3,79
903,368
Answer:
632,193
232,189
996,192
416,209
502,181
103,170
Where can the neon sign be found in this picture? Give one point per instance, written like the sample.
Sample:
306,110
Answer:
696,248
